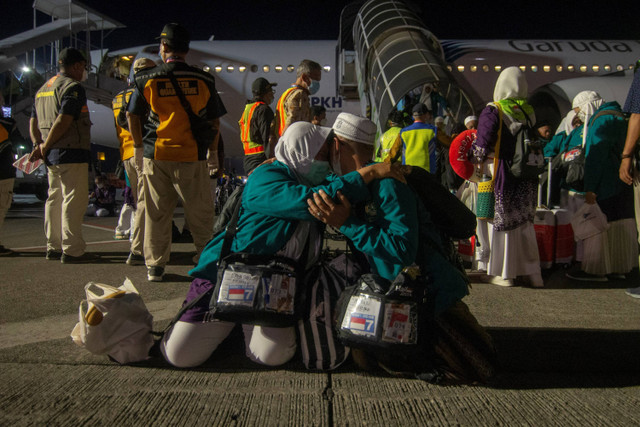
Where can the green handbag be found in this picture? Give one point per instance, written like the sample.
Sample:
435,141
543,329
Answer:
485,205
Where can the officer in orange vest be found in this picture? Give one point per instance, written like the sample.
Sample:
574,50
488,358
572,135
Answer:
255,124
294,103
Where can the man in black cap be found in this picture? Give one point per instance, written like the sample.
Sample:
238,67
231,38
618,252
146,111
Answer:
255,125
177,161
416,144
60,131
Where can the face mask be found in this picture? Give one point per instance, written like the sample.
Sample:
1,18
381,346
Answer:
314,87
85,76
318,172
335,162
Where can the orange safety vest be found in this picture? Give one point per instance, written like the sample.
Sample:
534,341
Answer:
281,115
250,147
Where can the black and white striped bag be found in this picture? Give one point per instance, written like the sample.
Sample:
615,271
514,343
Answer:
319,342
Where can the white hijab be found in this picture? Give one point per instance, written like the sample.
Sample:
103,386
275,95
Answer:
511,83
565,124
299,145
589,102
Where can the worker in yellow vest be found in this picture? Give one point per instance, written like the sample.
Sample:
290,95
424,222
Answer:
396,122
294,105
255,125
416,144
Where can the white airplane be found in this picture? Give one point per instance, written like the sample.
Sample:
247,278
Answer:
556,71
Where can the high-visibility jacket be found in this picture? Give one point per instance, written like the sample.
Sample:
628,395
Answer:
419,146
281,114
386,142
250,147
120,101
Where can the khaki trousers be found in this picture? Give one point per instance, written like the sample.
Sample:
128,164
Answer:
6,197
164,183
137,227
65,207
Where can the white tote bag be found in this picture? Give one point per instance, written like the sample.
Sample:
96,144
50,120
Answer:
115,322
588,221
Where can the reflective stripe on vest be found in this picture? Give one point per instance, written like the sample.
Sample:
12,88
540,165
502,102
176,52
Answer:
282,115
250,147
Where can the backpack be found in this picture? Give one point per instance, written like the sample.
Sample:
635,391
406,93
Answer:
528,158
572,160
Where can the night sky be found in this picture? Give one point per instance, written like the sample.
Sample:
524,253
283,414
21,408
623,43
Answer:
277,20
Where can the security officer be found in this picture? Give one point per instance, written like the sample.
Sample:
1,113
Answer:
294,105
255,124
174,166
119,106
389,137
60,131
417,143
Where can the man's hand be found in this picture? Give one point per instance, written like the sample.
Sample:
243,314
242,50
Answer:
37,153
385,170
212,162
324,209
138,155
626,171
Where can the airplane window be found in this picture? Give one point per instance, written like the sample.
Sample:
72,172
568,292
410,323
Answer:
631,66
595,68
619,67
242,68
266,68
327,68
498,68
607,67
534,68
485,68
206,68
218,68
473,68
290,68
570,68
583,68
461,68
523,68
546,68
559,68
230,69
254,68
278,68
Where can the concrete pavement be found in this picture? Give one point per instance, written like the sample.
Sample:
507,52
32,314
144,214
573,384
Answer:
570,355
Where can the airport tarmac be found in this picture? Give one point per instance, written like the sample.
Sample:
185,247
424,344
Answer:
570,355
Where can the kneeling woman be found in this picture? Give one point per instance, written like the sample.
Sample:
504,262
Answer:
274,219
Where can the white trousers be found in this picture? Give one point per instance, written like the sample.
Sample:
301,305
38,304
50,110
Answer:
187,345
125,222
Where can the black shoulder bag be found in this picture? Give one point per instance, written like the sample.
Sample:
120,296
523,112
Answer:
257,289
201,129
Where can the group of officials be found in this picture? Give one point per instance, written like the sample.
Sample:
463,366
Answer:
163,159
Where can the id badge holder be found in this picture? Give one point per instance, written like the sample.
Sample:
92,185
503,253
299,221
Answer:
238,287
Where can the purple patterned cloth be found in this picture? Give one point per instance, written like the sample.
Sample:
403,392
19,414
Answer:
515,198
632,105
197,313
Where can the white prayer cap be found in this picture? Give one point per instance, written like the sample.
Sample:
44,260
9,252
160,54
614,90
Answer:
355,128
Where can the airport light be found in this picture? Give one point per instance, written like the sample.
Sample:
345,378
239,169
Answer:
26,69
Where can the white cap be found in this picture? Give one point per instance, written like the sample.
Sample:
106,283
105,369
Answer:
355,128
438,119
470,118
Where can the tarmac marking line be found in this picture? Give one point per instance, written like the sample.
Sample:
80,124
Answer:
58,327
100,242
